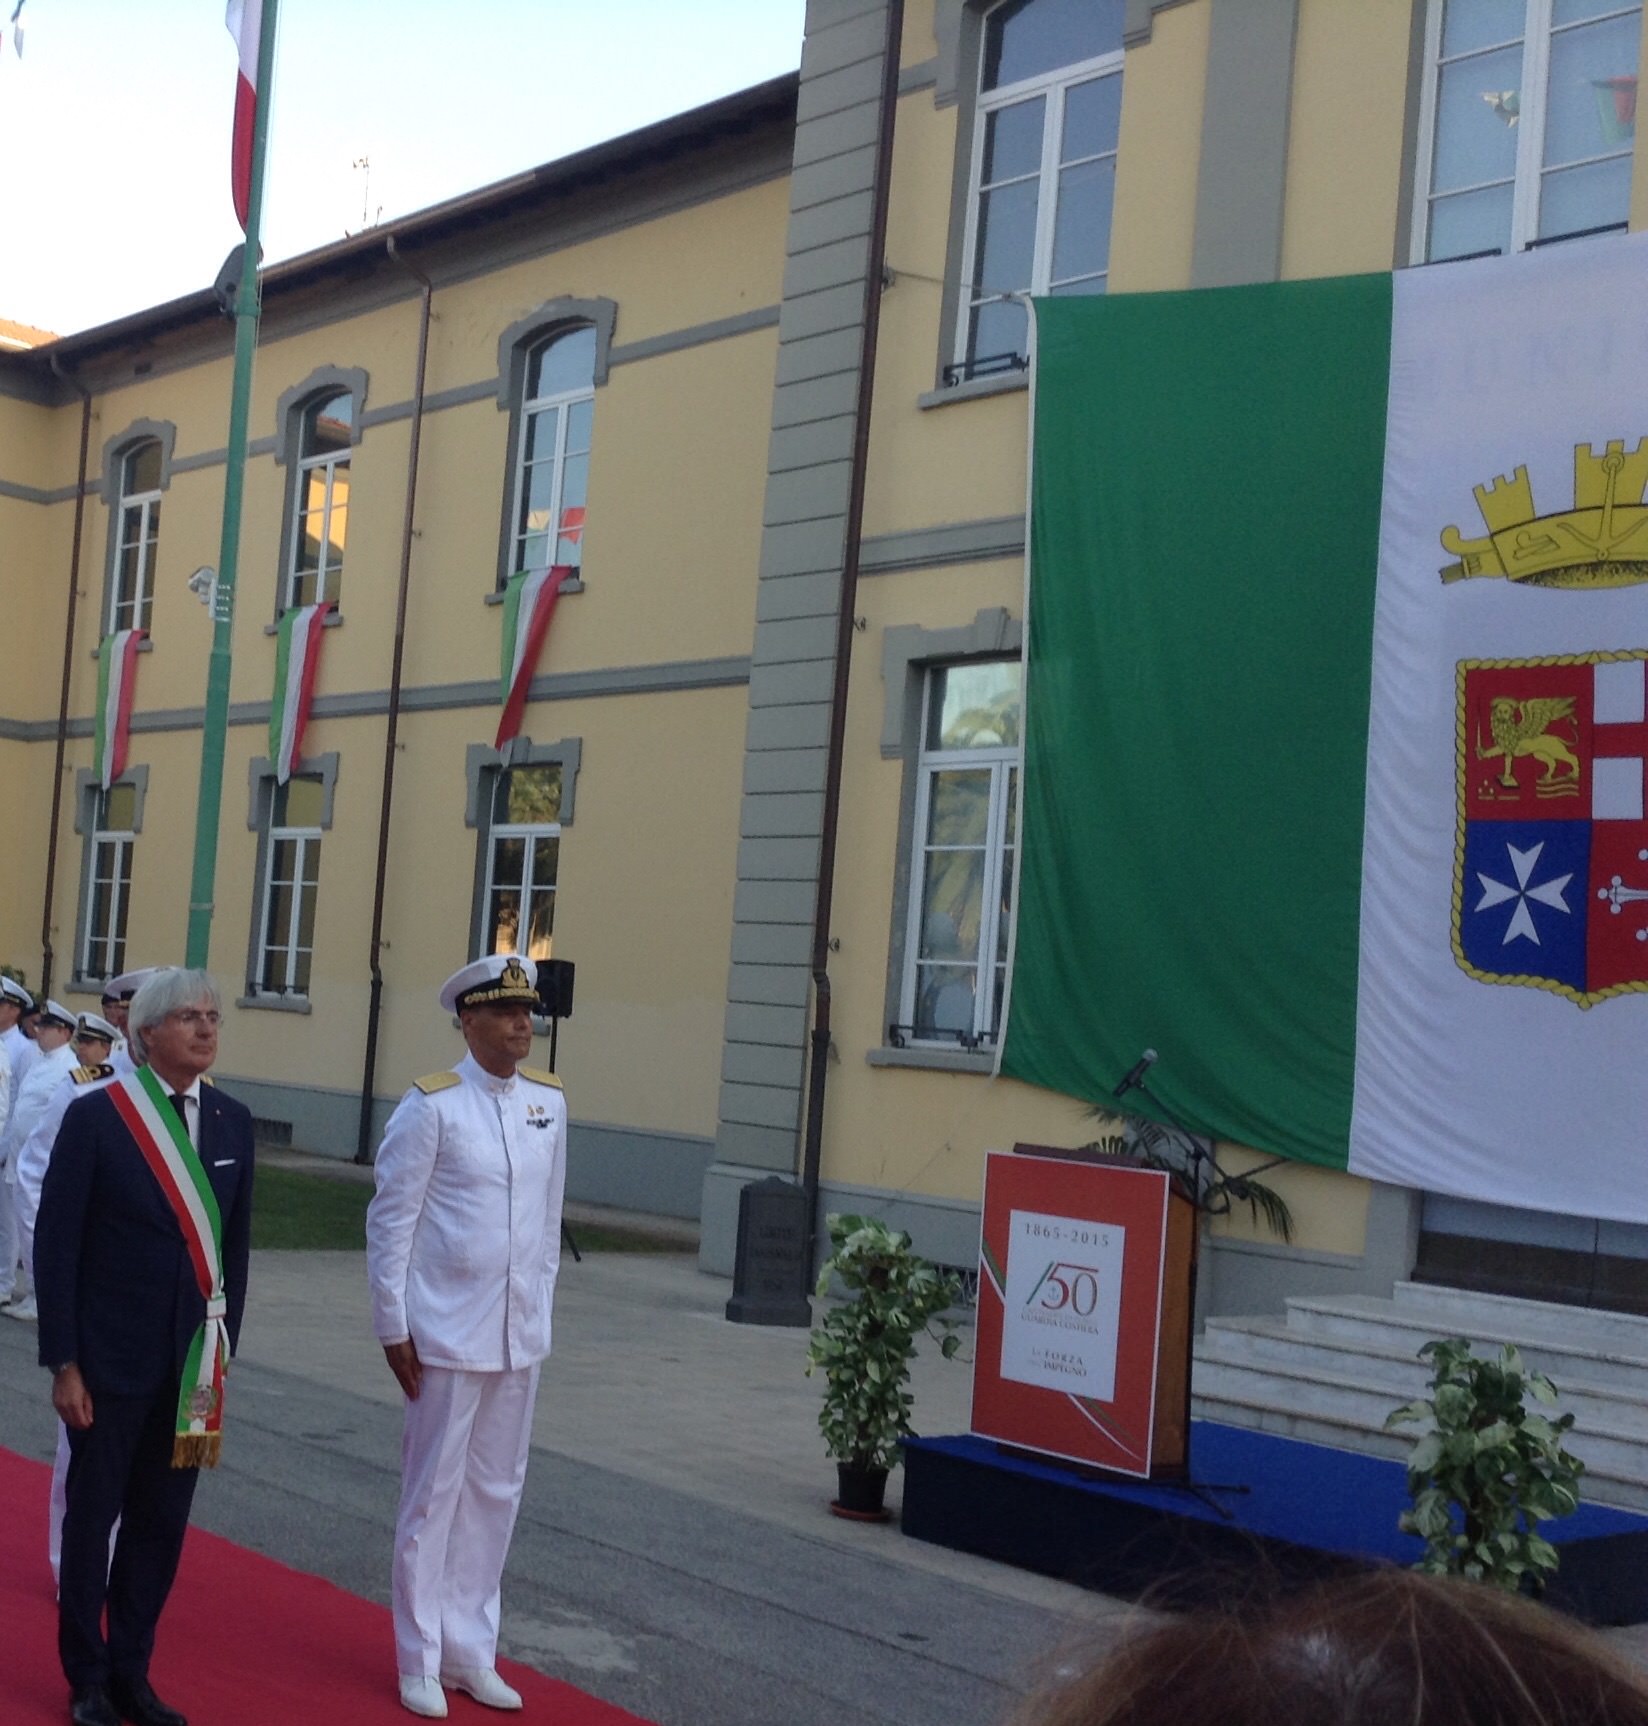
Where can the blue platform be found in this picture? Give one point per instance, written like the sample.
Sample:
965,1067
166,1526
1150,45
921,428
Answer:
1298,1510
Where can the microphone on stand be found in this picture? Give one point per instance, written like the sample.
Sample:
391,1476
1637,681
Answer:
1136,1073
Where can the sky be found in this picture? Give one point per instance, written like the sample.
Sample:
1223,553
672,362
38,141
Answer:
115,122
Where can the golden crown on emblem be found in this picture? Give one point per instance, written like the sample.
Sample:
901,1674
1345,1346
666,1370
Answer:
1601,542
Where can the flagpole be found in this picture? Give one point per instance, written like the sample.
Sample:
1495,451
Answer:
208,808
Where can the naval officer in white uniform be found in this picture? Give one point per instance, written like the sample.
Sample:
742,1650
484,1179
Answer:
463,1243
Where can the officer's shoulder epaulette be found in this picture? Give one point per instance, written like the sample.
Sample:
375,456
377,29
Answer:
207,1079
430,1083
537,1076
89,1075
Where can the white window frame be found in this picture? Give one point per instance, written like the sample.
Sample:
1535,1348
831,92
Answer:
1054,86
1538,31
287,952
1002,762
531,406
307,463
95,967
532,833
146,507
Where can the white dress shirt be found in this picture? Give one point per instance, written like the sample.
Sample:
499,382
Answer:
463,1236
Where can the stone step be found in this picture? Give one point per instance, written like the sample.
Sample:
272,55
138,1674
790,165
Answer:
1565,1357
1464,1309
1601,1484
1309,1392
1398,1375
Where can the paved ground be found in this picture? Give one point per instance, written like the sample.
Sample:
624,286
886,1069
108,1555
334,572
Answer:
675,1554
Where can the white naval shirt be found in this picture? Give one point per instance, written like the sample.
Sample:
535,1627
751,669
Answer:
35,1151
463,1236
45,1073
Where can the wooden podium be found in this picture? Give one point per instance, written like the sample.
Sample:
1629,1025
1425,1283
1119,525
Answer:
1087,1281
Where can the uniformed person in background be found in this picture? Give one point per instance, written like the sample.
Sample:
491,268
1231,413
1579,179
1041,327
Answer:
117,1001
94,1041
14,999
463,1243
54,1057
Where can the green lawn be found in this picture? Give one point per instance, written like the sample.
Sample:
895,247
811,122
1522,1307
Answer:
321,1212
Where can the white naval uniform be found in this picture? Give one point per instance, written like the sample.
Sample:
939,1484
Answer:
463,1245
45,1073
8,1199
31,1160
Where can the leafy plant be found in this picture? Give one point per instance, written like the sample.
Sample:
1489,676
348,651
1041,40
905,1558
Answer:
1200,1179
863,1347
1490,1470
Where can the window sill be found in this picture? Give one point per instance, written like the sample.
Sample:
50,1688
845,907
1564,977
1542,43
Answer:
934,1060
999,384
146,645
573,586
332,620
276,1003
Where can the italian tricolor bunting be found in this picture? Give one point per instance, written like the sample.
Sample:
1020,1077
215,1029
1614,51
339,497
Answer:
297,659
529,603
1336,731
116,686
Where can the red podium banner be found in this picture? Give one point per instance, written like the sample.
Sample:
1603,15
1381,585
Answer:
1083,1312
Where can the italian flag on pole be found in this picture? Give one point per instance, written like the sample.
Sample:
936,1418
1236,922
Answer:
529,603
297,660
1335,720
245,21
116,687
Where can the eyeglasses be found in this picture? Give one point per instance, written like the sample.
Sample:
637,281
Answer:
193,1018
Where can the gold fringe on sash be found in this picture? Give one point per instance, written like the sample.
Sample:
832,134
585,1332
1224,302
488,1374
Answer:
197,1449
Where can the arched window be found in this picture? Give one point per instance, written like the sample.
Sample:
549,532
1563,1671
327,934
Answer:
1044,167
320,500
137,537
551,478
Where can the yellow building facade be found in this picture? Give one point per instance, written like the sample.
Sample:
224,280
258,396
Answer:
665,336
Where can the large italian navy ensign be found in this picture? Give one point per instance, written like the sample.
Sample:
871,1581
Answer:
1336,726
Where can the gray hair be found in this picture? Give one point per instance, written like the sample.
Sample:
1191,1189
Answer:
166,991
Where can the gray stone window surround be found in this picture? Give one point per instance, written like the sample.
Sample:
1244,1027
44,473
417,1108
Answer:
260,779
515,344
958,28
481,765
908,653
289,410
87,790
115,451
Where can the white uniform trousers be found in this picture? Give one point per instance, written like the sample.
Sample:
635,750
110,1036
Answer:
14,1276
464,1452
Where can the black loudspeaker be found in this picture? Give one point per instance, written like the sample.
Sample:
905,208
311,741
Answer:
555,987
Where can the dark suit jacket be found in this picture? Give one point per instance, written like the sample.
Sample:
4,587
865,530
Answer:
113,1279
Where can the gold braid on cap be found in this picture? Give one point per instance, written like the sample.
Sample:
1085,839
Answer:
513,985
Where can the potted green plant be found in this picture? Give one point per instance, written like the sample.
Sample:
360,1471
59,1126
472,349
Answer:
1196,1172
863,1348
1489,1470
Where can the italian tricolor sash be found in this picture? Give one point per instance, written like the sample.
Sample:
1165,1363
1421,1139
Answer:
145,1107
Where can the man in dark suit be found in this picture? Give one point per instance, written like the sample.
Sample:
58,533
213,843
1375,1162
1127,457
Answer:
140,1283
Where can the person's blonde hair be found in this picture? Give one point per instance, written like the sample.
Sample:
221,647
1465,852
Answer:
1382,1648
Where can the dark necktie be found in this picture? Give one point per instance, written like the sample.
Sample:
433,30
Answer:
177,1100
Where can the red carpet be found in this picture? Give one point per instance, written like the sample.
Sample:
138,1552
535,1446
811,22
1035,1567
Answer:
286,1649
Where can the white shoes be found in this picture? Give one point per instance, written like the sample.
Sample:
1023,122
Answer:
481,1682
423,1696
23,1309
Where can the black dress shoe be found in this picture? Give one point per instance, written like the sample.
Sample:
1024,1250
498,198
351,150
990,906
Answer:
89,1705
137,1703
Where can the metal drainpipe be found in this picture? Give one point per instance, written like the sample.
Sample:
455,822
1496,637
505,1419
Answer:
47,956
813,1139
374,1012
